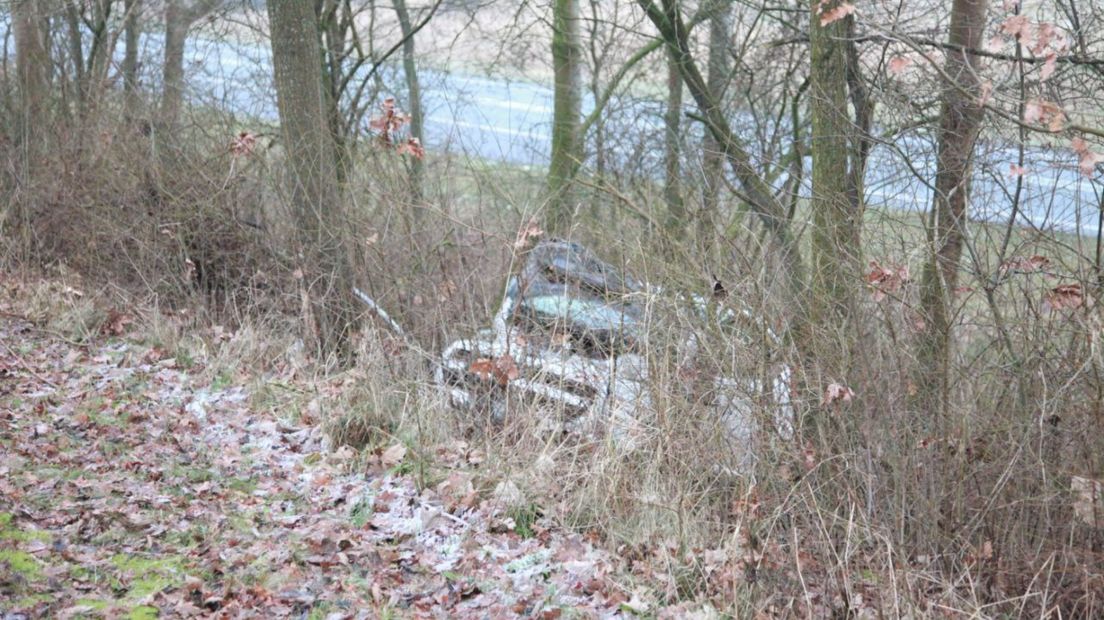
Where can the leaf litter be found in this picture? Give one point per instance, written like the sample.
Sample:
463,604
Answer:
132,487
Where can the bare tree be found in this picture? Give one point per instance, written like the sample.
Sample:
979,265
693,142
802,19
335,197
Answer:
180,15
33,70
91,46
567,106
837,218
312,165
960,120
132,34
414,98
672,151
720,25
753,188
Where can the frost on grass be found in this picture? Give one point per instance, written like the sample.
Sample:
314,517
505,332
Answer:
132,487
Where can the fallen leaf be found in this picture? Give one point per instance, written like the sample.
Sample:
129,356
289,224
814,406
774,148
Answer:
393,455
116,323
501,369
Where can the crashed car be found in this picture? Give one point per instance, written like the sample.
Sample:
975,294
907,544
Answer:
576,332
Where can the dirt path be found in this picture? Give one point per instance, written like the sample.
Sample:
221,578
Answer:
129,487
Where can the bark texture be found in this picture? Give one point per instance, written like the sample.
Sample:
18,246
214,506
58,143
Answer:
960,121
836,215
414,100
180,16
315,193
720,26
33,73
567,106
132,34
672,151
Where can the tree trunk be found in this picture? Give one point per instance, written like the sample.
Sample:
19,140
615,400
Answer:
837,220
76,50
315,193
132,36
179,18
172,70
333,29
567,107
33,72
414,101
959,123
672,153
716,71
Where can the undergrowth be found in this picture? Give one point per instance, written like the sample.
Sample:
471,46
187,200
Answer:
871,505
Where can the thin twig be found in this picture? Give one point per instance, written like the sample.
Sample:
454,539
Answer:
23,364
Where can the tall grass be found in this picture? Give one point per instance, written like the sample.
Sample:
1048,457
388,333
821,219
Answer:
872,504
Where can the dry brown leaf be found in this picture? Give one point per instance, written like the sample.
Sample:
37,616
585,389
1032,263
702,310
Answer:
1064,296
116,323
393,455
1022,264
527,233
835,14
837,392
886,280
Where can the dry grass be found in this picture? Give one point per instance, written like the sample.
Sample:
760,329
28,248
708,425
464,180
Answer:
875,506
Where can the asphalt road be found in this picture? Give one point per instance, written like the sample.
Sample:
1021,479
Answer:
509,121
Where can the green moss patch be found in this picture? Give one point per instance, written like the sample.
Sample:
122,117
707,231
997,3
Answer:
144,577
21,563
